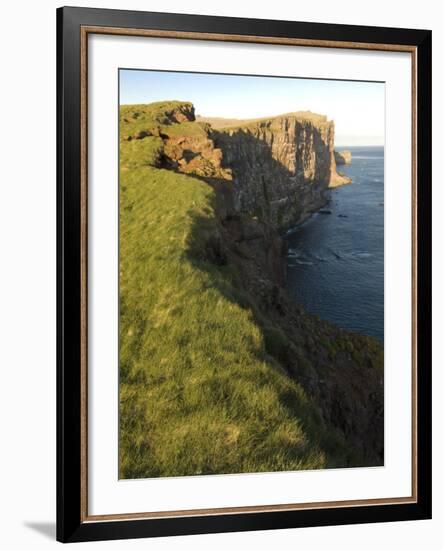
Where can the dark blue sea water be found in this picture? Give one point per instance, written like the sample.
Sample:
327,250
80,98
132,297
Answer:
335,264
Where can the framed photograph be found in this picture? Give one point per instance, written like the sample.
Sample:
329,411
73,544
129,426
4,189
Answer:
244,271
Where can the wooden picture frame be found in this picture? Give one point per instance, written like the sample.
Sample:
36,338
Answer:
74,25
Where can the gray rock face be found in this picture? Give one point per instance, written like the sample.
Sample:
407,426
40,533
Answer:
282,167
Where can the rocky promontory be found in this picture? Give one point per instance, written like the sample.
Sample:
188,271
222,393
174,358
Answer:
281,167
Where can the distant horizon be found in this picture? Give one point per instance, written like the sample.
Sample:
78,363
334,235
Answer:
357,108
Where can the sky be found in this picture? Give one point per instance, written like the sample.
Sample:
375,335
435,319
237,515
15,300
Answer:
357,108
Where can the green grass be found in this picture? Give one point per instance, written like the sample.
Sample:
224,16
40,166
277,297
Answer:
141,152
201,387
364,350
148,118
253,123
185,129
199,393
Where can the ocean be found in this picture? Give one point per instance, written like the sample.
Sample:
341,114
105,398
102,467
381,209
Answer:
335,262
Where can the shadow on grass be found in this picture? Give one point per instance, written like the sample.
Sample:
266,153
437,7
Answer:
344,415
241,256
244,258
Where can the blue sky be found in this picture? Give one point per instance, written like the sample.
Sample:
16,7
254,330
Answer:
356,107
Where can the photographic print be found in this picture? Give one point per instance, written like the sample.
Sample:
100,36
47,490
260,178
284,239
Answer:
251,274
243,275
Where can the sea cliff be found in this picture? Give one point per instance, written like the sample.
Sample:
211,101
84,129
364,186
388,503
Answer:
205,314
281,168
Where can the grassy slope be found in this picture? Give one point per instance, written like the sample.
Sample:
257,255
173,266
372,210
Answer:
199,394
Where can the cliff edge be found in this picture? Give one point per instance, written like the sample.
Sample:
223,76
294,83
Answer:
281,167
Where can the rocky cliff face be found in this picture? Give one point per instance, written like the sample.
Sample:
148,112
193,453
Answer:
282,167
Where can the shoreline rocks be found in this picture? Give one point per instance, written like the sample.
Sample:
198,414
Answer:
343,157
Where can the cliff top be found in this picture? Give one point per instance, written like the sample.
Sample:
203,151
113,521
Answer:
158,113
145,117
222,123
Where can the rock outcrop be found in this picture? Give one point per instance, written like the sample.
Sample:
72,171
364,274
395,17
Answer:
194,154
343,157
